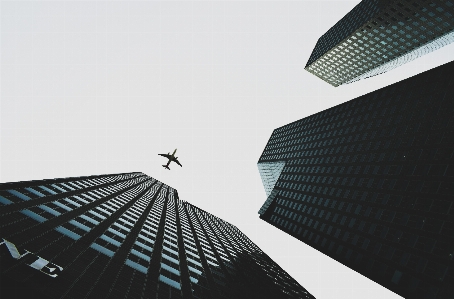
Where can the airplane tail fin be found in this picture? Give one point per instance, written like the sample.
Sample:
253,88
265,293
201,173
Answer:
165,166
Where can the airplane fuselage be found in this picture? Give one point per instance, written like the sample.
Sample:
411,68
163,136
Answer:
171,158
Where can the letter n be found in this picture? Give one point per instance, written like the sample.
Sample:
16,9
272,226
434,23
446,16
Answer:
14,251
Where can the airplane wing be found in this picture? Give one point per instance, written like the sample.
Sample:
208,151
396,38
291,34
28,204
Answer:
167,156
176,161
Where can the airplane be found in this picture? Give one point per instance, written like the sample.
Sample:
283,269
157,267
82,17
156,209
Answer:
171,158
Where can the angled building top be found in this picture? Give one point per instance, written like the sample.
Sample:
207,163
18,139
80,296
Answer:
379,35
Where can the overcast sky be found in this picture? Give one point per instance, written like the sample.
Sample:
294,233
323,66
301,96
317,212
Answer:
95,87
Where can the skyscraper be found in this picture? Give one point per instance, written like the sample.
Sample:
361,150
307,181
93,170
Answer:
379,35
125,236
370,183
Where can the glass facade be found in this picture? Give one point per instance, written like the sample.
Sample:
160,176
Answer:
370,183
379,35
125,236
270,172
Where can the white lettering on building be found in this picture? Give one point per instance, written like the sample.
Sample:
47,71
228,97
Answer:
40,264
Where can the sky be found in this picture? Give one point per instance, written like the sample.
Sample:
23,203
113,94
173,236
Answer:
103,87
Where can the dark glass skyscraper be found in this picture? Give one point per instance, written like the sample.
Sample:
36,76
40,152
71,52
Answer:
370,183
125,236
379,35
